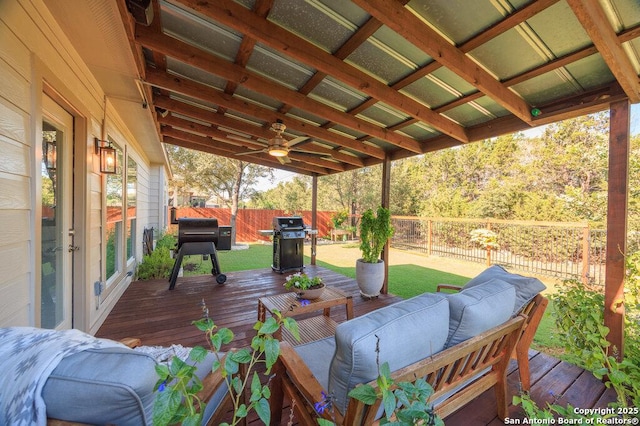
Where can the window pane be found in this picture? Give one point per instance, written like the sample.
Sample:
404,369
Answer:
115,205
132,200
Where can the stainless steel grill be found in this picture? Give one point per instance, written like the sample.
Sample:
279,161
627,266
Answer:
288,244
197,236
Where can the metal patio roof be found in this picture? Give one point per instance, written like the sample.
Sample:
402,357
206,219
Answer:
359,81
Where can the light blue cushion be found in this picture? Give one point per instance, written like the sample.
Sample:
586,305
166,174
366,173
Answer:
479,308
317,356
111,386
526,287
100,386
405,332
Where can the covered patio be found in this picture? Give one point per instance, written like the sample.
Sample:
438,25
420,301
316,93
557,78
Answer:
159,316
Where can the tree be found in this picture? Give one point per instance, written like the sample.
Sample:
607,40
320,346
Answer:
229,179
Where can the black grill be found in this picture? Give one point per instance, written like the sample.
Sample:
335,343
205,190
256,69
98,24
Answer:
288,244
199,236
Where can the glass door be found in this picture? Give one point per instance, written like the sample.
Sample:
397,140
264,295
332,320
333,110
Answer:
57,245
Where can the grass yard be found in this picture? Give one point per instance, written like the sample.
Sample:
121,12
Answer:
406,278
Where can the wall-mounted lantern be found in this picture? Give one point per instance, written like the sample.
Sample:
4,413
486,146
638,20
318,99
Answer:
108,162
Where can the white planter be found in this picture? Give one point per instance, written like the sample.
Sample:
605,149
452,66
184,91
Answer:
370,277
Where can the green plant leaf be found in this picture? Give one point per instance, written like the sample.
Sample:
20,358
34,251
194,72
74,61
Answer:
198,353
292,325
165,406
364,393
241,356
263,411
271,351
226,335
270,326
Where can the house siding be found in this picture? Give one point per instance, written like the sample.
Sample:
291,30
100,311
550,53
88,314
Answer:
35,54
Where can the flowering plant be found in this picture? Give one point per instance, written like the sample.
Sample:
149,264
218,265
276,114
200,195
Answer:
302,281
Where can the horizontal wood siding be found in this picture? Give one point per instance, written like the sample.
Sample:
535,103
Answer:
16,270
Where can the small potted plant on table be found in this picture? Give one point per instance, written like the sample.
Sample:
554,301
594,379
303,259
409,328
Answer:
375,231
305,286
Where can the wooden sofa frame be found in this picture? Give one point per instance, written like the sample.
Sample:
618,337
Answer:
534,310
483,360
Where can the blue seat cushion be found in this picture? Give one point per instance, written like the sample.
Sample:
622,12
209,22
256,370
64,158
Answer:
479,308
101,386
526,287
111,386
403,333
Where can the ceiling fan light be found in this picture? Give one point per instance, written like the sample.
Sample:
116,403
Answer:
278,151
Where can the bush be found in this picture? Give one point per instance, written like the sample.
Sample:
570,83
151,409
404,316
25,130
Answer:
159,263
580,320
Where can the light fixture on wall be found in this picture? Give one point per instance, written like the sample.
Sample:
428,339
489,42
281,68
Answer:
107,152
50,155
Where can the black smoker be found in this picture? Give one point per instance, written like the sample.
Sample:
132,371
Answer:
199,236
288,244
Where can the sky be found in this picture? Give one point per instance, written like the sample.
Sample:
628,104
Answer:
284,176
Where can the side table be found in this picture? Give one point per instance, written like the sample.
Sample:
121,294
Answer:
313,328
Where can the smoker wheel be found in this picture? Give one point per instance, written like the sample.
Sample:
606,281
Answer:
221,278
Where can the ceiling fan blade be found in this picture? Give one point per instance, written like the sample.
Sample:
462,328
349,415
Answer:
295,141
283,160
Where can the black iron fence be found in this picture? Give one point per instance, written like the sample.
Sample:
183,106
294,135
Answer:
562,250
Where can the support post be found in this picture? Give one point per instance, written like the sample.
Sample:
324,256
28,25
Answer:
586,254
314,217
618,193
386,191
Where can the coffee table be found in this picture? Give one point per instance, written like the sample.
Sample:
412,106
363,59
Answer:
312,328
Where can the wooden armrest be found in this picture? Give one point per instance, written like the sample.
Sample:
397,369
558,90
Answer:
448,287
132,342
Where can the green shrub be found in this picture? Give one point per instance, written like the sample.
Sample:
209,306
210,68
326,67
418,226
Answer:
159,263
580,320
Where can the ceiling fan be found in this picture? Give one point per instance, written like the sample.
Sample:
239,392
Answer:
278,146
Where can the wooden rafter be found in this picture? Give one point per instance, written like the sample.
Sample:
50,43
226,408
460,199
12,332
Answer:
241,19
200,91
259,132
593,19
231,72
404,22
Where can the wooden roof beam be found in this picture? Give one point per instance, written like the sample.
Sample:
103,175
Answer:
176,122
196,90
216,119
198,58
401,20
593,19
203,143
241,19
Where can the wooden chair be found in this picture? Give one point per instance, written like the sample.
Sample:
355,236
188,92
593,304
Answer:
468,369
534,310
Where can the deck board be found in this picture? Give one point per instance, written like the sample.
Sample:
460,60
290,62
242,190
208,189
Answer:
159,316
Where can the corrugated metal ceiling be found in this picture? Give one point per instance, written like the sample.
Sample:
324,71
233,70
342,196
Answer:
374,78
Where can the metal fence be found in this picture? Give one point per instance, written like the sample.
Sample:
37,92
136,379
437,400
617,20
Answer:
562,250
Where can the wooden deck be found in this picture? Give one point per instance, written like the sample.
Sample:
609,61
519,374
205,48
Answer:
159,316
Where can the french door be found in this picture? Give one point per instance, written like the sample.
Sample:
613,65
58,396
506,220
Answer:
57,243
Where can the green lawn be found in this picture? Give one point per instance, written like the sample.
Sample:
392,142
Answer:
404,281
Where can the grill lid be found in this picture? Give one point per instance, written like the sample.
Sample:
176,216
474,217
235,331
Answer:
288,223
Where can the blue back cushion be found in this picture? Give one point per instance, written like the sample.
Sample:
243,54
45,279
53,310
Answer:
479,308
405,332
526,287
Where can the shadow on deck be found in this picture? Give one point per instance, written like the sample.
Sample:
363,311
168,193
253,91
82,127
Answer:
159,316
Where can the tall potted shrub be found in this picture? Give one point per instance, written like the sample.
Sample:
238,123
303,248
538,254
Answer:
375,231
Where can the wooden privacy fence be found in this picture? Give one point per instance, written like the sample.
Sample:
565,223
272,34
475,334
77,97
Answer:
563,250
249,222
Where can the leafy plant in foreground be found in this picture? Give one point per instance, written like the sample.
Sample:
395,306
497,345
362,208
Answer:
178,386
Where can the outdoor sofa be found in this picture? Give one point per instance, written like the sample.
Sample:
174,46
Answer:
460,342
